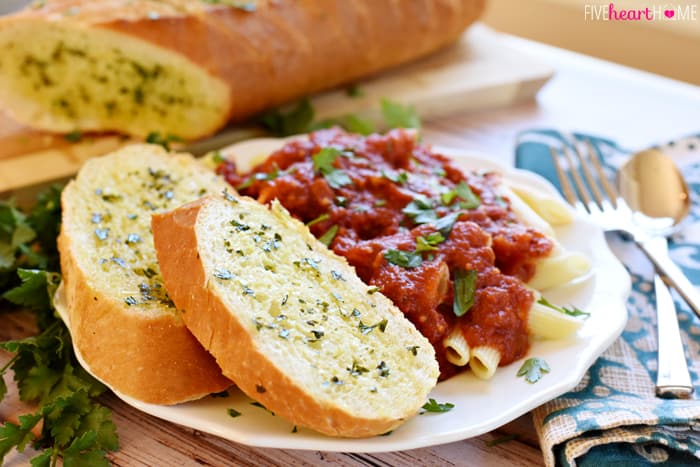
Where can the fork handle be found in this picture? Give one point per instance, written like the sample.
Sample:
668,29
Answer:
672,273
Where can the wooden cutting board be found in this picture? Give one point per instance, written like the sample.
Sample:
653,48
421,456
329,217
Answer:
478,72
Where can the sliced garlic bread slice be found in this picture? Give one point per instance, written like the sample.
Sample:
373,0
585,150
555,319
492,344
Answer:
289,321
121,317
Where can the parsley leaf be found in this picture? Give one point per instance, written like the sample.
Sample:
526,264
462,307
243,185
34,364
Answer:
295,121
533,369
420,210
400,177
470,200
445,223
327,238
405,259
162,140
351,122
465,286
323,164
433,406
575,312
45,367
429,243
36,289
399,116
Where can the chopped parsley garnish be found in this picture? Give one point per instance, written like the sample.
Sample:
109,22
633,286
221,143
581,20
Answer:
233,413
575,312
383,369
470,200
400,177
260,176
292,122
162,140
445,223
429,243
413,349
372,289
405,259
74,136
357,369
533,369
366,329
320,218
420,210
354,91
436,407
323,164
133,238
399,116
465,286
102,234
327,238
223,274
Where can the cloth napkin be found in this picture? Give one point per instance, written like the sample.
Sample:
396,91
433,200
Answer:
613,417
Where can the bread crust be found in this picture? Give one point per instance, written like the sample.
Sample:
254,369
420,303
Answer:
237,354
150,357
283,49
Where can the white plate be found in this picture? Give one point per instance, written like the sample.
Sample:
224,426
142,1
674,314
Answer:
480,406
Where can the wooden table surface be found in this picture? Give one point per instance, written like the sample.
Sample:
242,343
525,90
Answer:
588,95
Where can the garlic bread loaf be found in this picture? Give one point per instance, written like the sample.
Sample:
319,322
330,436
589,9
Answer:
185,67
289,321
121,317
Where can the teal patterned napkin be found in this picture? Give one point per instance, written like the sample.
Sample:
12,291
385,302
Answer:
613,417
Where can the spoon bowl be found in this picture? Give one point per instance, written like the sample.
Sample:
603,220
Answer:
655,192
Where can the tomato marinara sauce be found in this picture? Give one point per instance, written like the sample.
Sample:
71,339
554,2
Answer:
436,239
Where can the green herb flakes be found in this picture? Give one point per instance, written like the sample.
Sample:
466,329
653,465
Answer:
405,259
575,312
329,235
464,289
533,369
436,407
399,116
233,413
429,242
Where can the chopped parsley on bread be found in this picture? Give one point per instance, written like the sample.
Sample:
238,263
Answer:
121,317
289,321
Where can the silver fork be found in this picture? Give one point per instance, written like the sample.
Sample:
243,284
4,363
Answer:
596,198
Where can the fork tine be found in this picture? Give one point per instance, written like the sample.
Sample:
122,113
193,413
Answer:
590,179
578,181
609,189
566,187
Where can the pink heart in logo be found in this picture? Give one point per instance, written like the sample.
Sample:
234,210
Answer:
669,13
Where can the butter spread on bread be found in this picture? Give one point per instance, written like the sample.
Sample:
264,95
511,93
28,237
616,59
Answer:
289,321
185,67
120,315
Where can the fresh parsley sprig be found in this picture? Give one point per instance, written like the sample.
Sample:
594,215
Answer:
45,368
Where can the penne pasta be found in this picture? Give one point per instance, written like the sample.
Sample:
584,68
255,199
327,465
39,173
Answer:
548,323
484,361
525,213
456,347
551,209
559,268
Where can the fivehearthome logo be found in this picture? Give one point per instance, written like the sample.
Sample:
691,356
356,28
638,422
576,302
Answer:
651,12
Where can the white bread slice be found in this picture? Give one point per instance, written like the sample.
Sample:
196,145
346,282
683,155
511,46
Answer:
289,321
121,318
